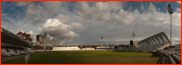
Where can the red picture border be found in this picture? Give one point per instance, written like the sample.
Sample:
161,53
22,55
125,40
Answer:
84,0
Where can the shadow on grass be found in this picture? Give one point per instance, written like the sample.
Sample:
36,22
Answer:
56,61
123,51
128,51
154,55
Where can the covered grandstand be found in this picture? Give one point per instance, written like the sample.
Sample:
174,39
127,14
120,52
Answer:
152,44
174,54
160,43
12,44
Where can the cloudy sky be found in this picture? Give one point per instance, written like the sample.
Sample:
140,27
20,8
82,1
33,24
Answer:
115,21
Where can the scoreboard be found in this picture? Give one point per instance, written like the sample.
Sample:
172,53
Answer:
131,46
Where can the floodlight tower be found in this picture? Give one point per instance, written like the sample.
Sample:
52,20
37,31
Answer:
101,38
75,37
170,10
133,39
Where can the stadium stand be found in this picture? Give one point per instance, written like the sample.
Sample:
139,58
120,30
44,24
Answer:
152,44
160,42
11,44
171,60
4,53
173,53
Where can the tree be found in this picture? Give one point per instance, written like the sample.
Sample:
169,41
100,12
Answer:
89,45
79,46
84,46
94,46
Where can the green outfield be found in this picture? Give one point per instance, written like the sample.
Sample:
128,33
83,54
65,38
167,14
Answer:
88,57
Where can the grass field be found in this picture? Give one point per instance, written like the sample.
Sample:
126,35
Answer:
88,57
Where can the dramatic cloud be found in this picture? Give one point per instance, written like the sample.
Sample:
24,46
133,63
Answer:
142,7
39,13
101,11
38,20
31,33
59,31
3,26
33,10
51,7
23,3
62,18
